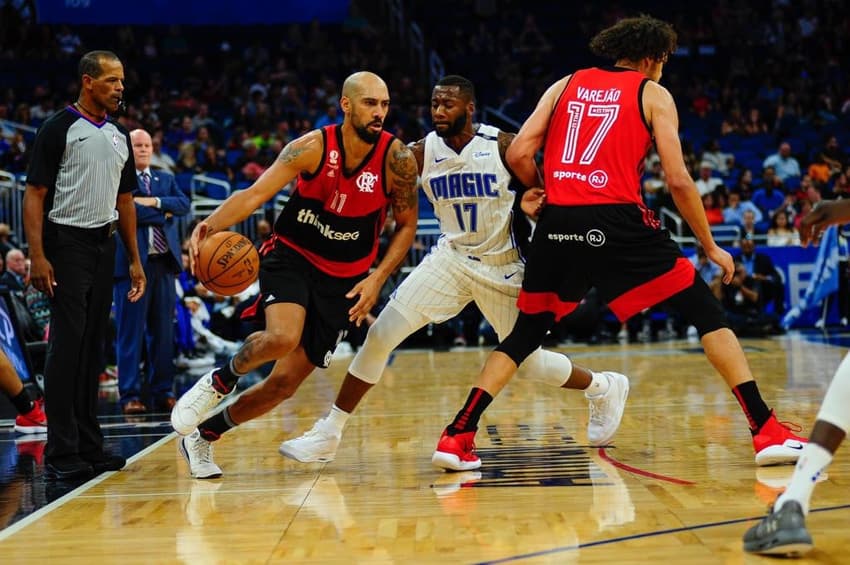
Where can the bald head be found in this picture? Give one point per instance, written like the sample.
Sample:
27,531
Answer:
363,81
139,134
142,148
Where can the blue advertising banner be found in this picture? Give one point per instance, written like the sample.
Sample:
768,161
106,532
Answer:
824,279
802,274
797,267
189,12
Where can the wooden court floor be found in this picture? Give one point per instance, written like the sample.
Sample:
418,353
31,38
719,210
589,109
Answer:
679,485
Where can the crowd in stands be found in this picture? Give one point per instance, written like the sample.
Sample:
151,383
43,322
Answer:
764,101
222,101
769,127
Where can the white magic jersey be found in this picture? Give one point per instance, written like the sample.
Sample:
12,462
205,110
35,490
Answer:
469,191
476,258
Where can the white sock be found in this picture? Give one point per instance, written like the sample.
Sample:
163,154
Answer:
813,460
598,385
337,418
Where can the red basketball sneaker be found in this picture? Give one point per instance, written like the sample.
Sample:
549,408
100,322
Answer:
775,443
456,453
34,421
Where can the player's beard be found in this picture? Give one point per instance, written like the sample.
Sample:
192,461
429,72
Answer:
367,135
455,128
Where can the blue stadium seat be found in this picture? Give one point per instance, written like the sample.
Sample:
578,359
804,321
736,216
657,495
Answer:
730,143
764,144
215,191
792,184
232,156
184,181
217,175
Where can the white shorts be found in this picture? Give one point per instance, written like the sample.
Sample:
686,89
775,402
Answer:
446,281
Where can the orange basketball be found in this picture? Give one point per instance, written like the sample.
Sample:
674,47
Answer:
227,263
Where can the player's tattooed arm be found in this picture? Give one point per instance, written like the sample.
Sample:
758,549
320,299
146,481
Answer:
295,151
403,178
289,154
418,149
300,155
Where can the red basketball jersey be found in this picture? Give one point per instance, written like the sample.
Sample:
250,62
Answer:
333,218
597,139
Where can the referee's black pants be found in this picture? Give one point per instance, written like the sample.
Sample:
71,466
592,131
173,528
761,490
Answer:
83,262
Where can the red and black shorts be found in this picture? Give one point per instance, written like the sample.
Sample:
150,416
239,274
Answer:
287,276
619,249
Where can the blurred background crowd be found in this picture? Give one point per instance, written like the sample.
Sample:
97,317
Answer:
753,80
762,88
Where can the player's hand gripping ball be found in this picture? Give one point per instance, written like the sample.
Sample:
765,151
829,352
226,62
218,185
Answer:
227,263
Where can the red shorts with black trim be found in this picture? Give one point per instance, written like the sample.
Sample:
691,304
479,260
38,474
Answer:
619,249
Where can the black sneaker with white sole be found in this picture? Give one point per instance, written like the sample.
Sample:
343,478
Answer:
781,532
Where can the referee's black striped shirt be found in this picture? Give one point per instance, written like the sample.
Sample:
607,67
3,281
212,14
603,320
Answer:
84,165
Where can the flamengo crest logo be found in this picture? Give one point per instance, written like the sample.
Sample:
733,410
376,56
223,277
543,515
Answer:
366,181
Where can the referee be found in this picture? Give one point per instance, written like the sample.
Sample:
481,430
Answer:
79,185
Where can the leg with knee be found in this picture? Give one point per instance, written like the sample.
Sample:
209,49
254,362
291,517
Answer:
285,378
391,328
284,325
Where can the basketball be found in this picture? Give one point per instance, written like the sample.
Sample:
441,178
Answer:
227,263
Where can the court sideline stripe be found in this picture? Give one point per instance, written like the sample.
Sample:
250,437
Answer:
44,510
641,472
641,536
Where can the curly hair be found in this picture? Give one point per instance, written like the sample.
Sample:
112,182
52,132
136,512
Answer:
635,38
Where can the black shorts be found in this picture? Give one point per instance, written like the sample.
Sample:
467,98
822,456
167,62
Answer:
287,276
619,249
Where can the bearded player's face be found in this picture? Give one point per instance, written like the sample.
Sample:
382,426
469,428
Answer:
450,111
368,113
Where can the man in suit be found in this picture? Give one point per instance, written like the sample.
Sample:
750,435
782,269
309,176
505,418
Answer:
149,323
17,279
15,276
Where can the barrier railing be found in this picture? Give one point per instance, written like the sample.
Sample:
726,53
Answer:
204,186
11,204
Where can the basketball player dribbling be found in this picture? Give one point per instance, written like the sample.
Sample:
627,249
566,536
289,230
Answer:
477,258
314,271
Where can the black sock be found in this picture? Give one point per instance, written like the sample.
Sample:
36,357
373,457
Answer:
23,402
467,419
752,403
213,427
225,379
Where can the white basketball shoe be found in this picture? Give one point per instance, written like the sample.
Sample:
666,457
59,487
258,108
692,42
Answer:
606,410
318,445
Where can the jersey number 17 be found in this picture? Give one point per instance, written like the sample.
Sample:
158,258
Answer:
577,111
